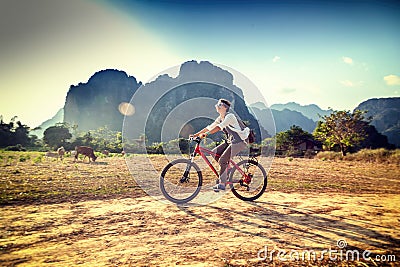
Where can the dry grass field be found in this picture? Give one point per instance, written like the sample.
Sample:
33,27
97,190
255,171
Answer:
66,213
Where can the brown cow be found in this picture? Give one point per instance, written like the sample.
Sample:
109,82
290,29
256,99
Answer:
86,151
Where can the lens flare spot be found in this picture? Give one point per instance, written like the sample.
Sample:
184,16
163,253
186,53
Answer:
126,109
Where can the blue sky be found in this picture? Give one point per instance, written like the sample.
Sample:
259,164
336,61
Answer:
331,53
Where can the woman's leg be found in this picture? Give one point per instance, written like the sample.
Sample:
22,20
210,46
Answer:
219,150
231,151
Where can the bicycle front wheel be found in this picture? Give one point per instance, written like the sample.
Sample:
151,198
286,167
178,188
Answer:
181,181
250,184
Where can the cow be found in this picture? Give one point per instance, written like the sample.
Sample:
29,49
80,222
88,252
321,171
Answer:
61,152
86,151
105,152
73,153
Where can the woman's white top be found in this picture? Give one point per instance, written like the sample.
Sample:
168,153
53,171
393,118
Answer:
230,121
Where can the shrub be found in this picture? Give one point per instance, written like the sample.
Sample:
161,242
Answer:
371,155
17,147
309,154
134,147
172,147
38,159
329,155
155,148
395,157
380,155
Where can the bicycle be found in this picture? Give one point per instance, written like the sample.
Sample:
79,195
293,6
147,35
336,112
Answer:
181,179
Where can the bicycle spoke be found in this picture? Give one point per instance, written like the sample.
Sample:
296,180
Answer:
174,187
252,184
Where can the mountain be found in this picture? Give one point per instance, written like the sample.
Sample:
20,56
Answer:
198,86
284,119
384,111
385,114
259,105
96,103
287,115
311,111
59,117
174,107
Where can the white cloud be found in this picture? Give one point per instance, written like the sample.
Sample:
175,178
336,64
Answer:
348,60
348,83
392,79
276,59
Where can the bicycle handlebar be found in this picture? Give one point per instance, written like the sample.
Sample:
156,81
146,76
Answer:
197,139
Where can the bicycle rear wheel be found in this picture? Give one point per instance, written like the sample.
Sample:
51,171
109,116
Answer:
181,181
248,189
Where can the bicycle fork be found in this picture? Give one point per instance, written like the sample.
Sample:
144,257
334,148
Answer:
186,174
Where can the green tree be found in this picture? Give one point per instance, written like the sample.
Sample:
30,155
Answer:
269,142
6,133
22,134
35,141
14,133
99,139
289,139
343,129
56,136
374,139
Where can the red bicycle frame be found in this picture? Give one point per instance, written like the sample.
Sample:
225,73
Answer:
202,151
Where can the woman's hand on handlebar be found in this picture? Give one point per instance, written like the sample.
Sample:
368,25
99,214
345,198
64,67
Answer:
200,136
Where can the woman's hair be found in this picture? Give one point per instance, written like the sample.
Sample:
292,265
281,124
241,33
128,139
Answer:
227,103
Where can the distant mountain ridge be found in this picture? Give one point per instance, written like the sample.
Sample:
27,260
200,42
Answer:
311,111
287,115
59,117
284,119
385,114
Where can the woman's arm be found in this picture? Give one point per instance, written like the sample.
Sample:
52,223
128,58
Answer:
203,133
200,132
216,126
210,129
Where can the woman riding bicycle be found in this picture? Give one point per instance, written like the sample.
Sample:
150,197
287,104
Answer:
236,141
